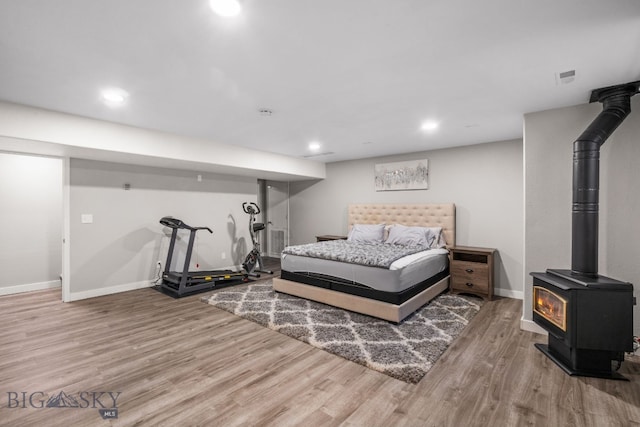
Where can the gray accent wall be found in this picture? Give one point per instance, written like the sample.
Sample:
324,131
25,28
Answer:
120,248
548,146
31,218
484,181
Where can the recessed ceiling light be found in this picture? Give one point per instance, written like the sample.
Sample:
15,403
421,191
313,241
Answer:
429,125
114,96
314,146
226,8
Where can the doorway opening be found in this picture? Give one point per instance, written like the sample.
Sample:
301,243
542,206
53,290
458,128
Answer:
274,196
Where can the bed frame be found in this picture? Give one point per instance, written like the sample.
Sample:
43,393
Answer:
415,215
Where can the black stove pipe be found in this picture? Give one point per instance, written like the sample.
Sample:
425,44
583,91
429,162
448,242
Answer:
616,102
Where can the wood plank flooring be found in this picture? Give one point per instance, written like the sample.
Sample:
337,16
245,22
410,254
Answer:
182,362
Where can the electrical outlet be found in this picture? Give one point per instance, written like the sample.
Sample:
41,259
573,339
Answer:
223,255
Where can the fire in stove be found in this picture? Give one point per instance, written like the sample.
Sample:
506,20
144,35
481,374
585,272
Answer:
550,306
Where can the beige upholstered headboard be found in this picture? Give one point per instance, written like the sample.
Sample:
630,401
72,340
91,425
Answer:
412,215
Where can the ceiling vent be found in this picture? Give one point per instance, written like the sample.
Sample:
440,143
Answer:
318,154
565,77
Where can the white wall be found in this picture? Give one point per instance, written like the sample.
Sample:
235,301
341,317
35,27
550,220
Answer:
548,146
118,252
120,249
484,181
34,130
31,218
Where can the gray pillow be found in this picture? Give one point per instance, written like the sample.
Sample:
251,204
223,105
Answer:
430,237
366,233
410,236
438,238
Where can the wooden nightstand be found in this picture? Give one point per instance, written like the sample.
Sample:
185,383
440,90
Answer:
472,271
326,237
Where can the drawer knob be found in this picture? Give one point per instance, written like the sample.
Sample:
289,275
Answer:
469,284
469,270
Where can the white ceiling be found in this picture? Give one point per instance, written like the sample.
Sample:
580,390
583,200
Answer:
359,76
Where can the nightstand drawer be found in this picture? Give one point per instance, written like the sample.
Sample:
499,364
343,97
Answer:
470,276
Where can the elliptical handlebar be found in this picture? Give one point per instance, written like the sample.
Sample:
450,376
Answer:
250,208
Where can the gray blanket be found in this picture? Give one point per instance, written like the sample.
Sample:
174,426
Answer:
370,254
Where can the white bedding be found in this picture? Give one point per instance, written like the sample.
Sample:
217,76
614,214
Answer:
403,262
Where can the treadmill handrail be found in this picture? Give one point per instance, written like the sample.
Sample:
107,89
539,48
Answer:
171,222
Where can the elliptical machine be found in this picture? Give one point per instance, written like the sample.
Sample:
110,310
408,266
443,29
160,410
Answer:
253,263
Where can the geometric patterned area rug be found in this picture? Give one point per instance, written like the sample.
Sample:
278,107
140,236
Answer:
405,351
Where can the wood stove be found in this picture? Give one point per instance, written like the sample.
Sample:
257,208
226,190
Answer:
589,320
589,317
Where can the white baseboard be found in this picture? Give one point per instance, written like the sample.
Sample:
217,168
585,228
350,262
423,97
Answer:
29,287
508,293
531,326
76,296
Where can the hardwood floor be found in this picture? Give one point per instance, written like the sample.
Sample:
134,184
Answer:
182,362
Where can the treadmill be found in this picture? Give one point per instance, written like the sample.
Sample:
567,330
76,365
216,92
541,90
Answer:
182,283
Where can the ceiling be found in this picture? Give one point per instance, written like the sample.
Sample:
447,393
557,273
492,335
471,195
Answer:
357,76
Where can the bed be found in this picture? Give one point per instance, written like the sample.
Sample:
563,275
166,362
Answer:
390,290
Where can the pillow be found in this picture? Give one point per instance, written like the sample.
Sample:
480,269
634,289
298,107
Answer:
431,237
438,238
366,233
410,236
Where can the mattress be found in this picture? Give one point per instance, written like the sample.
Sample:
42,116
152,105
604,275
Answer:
402,274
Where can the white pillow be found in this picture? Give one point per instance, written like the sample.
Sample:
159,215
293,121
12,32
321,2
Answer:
366,233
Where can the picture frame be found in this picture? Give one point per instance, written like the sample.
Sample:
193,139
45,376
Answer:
406,175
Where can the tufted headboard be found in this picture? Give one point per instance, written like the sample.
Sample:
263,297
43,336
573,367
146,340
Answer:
412,215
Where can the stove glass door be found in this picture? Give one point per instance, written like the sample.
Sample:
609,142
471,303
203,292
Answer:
550,306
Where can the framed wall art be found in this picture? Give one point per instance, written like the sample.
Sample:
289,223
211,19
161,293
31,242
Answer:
407,175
